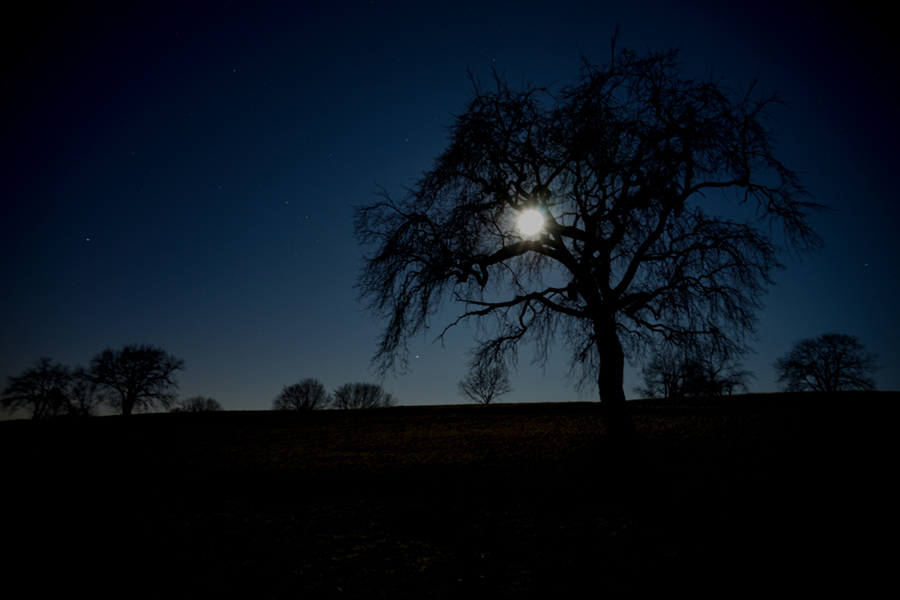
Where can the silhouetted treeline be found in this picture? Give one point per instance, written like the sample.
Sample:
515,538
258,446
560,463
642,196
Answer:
310,394
137,378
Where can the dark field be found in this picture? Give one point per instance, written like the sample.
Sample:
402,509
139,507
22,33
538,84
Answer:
777,494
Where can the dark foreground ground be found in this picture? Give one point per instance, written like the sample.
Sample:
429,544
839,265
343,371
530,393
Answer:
776,494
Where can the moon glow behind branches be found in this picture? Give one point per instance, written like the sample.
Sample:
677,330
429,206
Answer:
530,222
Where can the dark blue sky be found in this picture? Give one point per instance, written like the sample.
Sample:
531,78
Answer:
184,175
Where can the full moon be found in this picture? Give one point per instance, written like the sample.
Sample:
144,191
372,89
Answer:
530,222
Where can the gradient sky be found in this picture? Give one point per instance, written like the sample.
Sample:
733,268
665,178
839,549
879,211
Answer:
184,175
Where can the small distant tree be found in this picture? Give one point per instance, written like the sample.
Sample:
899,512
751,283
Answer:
485,383
136,378
40,389
84,395
197,404
362,395
828,363
708,376
662,376
309,394
679,372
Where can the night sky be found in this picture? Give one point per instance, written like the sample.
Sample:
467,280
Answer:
185,175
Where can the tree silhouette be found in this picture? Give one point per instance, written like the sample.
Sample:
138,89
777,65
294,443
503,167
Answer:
84,395
680,372
137,378
40,389
362,395
309,394
657,198
197,404
485,383
828,363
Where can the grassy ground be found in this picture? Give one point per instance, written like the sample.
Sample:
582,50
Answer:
758,492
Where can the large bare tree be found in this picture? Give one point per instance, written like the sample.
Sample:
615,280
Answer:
136,378
632,206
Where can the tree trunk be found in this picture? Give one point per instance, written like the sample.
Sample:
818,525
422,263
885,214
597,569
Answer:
616,417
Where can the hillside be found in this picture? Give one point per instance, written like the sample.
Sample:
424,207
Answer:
443,501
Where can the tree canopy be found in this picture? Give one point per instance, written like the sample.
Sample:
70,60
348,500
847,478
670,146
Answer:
362,395
197,404
485,383
662,205
309,394
137,377
828,363
52,390
42,389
